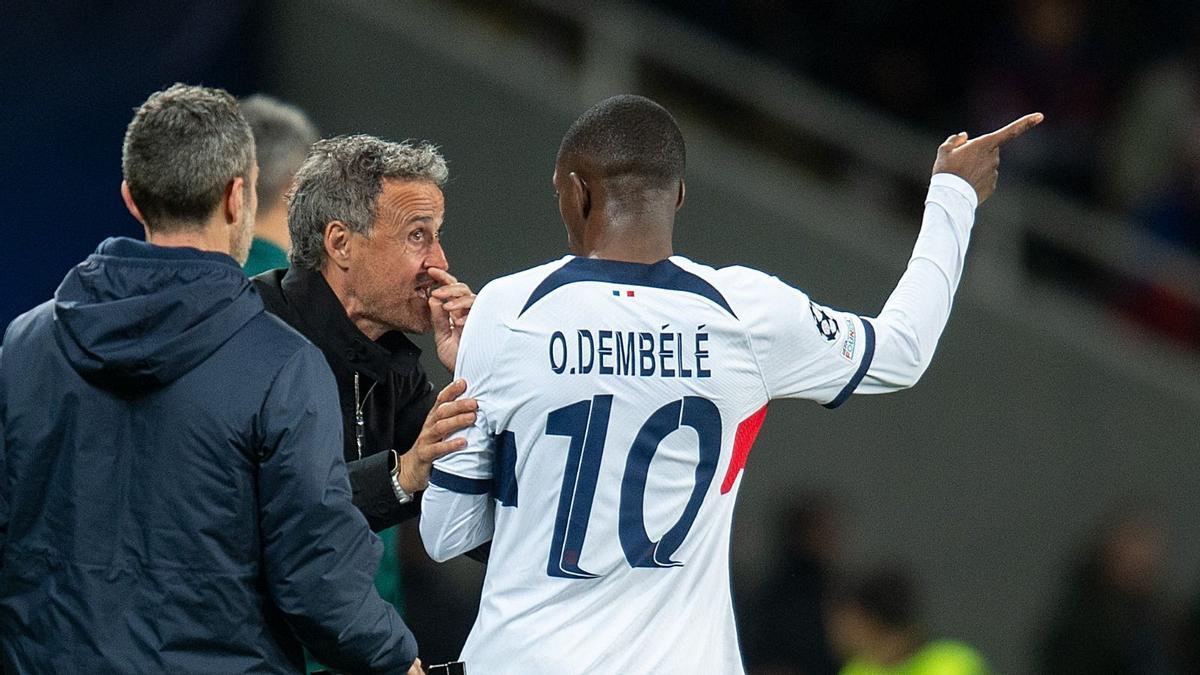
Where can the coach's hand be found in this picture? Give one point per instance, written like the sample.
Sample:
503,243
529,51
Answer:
416,668
977,160
449,305
447,416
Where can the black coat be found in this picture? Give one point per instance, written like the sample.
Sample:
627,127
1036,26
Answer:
169,501
395,393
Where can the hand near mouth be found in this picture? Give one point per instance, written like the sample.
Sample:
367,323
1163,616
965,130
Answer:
449,305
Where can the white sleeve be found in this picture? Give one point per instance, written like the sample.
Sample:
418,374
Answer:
912,320
457,513
803,349
807,350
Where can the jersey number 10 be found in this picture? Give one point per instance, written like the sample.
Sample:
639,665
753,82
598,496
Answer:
586,424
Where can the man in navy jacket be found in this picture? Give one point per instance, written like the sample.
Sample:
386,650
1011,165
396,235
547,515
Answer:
172,495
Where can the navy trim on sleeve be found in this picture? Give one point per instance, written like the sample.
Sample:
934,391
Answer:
506,469
662,274
868,356
463,486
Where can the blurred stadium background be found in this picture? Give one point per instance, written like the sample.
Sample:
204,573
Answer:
1062,408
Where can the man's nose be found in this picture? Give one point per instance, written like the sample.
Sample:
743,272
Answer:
437,257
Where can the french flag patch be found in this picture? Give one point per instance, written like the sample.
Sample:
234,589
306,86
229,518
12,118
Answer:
617,294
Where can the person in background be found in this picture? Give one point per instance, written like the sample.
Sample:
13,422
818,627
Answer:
365,220
172,498
1111,619
874,625
282,136
783,628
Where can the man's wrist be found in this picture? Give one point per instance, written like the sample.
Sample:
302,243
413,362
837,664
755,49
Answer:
402,495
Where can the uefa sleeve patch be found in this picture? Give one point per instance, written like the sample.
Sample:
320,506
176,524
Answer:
827,326
851,341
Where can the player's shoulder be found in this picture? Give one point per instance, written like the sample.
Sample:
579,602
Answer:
744,287
513,290
732,275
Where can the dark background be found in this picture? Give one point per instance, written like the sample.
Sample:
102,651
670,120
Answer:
1053,412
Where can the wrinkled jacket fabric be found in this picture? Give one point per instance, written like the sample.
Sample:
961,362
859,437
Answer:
172,496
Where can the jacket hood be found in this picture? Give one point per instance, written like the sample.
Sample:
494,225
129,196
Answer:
134,316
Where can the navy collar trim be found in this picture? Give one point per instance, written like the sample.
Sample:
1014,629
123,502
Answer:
662,274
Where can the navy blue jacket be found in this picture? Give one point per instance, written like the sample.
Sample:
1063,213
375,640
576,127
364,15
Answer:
172,492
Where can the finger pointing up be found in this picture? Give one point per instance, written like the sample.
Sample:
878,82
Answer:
1011,130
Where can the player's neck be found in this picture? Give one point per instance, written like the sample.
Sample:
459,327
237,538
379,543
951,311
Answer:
629,239
637,253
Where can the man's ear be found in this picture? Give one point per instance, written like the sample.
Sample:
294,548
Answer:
682,194
338,243
234,201
127,197
581,194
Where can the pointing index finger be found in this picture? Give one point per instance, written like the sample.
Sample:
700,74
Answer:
1012,129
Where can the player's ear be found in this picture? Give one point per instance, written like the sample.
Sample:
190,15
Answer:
582,194
681,195
127,197
337,244
233,202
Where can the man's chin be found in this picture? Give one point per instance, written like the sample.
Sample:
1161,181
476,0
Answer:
415,324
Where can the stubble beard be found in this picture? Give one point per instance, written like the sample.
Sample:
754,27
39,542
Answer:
411,316
240,239
417,318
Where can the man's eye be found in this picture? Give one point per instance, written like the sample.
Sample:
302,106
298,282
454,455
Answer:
416,235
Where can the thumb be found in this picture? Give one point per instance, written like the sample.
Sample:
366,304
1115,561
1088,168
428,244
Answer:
953,141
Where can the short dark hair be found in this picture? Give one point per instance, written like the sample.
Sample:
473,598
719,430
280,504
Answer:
628,135
282,136
183,146
342,179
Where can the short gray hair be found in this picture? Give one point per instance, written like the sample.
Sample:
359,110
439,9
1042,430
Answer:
342,179
282,136
183,146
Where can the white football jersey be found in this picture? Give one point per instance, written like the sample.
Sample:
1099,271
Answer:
618,403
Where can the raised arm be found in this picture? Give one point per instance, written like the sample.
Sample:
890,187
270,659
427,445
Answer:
907,330
807,350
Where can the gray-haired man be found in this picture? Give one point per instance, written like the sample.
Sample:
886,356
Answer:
368,266
171,499
283,135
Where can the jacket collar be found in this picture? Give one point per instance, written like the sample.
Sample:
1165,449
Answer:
332,330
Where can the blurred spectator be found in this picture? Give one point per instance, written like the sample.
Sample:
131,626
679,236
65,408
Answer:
874,625
1046,57
782,625
1152,132
1110,620
282,136
1170,210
